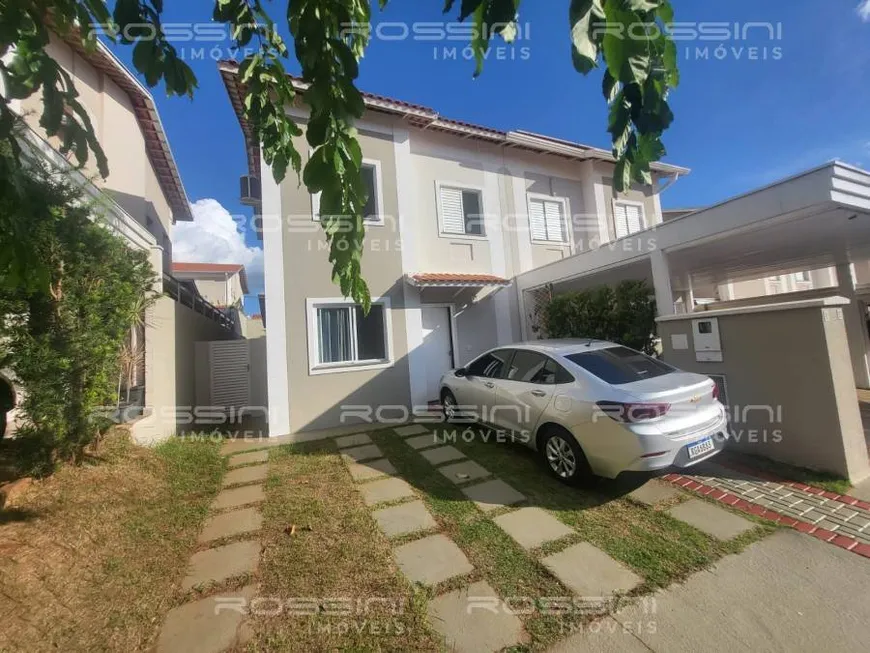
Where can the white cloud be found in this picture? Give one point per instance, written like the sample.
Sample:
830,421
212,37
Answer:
216,236
863,10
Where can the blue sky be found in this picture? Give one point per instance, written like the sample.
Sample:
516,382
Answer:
742,120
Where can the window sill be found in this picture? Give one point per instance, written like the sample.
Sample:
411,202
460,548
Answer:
461,236
559,243
337,368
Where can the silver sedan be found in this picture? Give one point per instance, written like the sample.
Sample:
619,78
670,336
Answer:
590,406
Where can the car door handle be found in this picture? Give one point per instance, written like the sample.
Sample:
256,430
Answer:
489,384
538,393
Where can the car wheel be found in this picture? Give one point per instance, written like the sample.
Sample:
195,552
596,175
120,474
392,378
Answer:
564,458
448,406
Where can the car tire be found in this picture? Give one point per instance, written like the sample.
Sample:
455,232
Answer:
564,458
448,406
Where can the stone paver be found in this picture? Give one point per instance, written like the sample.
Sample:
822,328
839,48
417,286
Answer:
475,630
220,563
199,626
352,440
588,571
412,429
248,458
246,475
711,519
371,469
423,441
653,492
239,496
404,519
493,495
432,560
442,455
532,527
464,472
388,489
361,454
230,524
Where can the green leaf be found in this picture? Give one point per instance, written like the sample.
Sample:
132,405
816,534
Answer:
480,40
622,175
469,7
665,12
584,49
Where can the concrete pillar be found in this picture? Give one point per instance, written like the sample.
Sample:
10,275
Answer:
662,283
856,325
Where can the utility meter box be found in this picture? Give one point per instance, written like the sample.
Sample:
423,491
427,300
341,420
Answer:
708,344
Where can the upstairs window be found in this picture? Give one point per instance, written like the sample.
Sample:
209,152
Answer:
373,212
547,220
628,218
461,211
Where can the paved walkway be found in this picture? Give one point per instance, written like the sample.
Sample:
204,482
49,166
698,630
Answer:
787,592
429,557
841,520
228,550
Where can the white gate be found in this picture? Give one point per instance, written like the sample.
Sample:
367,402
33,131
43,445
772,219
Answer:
229,372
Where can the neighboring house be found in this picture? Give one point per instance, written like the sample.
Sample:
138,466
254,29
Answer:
255,328
456,211
223,285
141,199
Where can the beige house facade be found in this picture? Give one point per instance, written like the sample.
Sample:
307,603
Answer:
457,211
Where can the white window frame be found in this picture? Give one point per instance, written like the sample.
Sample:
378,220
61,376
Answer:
314,367
644,223
797,276
461,187
379,199
565,213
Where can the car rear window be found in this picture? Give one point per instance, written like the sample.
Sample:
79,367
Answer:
619,365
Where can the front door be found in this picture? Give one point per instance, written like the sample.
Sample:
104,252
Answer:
437,348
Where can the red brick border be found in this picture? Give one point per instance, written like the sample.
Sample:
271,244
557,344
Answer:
842,541
773,478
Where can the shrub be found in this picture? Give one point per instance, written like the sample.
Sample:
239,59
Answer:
624,314
61,336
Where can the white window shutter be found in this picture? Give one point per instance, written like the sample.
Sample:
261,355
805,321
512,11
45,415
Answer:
452,216
537,220
555,222
620,220
634,218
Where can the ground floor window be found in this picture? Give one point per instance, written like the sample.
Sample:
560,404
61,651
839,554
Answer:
341,335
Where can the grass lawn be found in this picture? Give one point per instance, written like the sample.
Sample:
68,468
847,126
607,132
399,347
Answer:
337,564
90,557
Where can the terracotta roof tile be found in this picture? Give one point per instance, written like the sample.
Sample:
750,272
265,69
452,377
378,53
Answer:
454,279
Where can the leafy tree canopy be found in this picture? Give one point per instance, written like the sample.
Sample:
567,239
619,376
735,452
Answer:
625,38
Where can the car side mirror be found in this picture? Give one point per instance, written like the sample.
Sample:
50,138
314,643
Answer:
461,372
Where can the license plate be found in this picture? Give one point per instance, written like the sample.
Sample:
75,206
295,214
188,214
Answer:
700,448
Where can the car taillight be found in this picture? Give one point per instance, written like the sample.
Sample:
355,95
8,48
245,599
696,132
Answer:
632,413
715,392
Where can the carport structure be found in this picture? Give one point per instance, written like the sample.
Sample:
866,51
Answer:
812,220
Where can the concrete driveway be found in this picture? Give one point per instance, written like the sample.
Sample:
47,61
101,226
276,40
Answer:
789,592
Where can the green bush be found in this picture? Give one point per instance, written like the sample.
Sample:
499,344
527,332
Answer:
624,314
61,335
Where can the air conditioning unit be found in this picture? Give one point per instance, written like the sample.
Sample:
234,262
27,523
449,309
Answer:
250,193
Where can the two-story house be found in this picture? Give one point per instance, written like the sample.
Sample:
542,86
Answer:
140,200
456,211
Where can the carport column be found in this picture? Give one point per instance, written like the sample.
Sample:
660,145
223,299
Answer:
661,274
856,325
